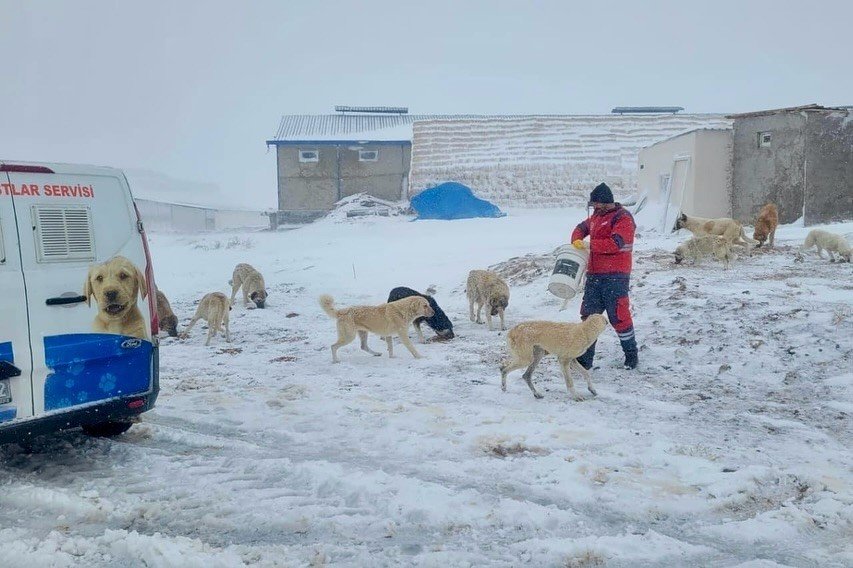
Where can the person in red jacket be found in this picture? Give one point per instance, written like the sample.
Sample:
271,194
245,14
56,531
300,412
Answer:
608,272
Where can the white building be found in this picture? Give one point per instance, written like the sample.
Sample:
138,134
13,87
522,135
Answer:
691,172
169,204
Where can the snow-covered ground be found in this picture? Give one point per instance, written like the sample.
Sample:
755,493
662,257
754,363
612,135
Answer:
730,446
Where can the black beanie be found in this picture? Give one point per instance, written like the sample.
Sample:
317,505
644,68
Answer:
601,194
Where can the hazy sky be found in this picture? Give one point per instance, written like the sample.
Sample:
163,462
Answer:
193,89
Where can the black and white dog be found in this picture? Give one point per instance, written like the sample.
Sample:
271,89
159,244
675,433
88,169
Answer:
439,322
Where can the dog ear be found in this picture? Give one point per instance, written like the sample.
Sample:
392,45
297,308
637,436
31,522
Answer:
141,282
87,287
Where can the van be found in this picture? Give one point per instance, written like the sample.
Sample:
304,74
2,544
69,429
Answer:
78,314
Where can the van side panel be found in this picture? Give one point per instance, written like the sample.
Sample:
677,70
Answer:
84,268
14,323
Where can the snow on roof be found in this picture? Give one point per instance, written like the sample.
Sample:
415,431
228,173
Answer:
801,108
391,127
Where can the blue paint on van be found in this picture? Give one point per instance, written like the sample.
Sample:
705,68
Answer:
88,367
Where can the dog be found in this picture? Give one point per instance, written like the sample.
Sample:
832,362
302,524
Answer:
727,228
528,342
385,320
115,285
213,308
439,322
765,225
252,282
697,248
168,320
829,241
486,288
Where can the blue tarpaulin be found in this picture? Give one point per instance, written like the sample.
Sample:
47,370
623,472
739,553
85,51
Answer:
452,200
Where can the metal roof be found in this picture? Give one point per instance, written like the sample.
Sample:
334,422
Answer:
347,126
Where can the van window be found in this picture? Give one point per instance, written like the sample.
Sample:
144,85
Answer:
63,233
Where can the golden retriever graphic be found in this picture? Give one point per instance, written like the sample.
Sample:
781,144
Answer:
115,285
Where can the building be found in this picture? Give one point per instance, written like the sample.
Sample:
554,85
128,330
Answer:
529,160
322,159
800,158
187,218
692,172
541,160
170,204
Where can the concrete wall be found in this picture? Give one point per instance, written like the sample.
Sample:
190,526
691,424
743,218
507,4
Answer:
712,174
773,174
707,191
829,167
315,187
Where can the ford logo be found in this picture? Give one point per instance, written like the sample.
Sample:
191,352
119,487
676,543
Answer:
131,343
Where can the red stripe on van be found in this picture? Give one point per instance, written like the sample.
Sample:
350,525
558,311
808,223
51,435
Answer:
149,277
22,168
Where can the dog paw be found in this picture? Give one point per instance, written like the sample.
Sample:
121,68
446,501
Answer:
593,392
538,395
377,354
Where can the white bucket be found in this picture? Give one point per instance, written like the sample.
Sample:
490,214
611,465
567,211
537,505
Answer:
569,270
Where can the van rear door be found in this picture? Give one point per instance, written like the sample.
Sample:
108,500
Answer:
90,317
16,397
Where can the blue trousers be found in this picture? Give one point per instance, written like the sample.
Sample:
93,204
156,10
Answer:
606,292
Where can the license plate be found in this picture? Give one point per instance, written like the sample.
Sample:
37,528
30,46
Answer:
5,392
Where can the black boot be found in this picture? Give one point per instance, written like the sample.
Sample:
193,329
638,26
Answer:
631,360
586,359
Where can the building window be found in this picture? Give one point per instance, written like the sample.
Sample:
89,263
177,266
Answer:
308,156
764,139
368,155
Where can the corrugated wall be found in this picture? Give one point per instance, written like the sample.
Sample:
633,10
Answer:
541,161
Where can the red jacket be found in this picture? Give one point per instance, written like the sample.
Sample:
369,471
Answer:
611,241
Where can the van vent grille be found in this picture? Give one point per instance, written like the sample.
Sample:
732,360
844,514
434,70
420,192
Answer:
63,233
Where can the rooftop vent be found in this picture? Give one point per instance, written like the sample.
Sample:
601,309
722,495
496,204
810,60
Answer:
646,110
372,110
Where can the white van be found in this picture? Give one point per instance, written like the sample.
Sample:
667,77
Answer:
78,318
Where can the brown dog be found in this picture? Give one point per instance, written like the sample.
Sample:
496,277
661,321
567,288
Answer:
530,341
168,319
213,308
115,285
765,225
486,288
385,320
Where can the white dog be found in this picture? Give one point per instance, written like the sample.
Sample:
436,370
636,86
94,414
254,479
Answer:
829,241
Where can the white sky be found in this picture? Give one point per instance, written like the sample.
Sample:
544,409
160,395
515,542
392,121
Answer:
193,89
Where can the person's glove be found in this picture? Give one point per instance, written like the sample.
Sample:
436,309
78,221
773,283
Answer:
579,244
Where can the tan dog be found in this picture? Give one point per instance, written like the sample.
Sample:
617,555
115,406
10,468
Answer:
530,341
115,285
829,241
697,248
252,282
727,228
213,308
385,320
765,225
168,319
486,288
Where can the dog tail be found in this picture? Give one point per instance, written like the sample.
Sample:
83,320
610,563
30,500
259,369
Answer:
328,305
